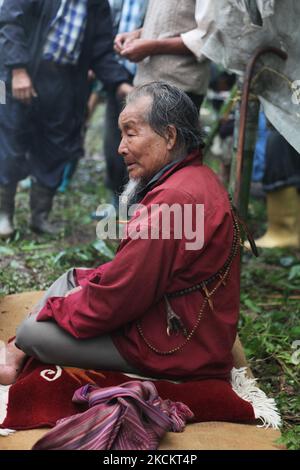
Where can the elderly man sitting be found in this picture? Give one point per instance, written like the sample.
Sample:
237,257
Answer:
168,304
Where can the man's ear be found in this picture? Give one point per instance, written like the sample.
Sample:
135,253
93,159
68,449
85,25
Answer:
171,137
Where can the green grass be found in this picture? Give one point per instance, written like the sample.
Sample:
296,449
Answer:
270,325
270,293
30,261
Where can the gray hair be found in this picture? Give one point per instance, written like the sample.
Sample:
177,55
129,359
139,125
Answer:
171,106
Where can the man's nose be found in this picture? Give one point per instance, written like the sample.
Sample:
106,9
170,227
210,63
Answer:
123,150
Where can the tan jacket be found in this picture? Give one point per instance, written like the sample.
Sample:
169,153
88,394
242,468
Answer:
170,18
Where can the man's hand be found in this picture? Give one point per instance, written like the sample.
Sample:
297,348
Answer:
138,49
22,87
123,90
124,39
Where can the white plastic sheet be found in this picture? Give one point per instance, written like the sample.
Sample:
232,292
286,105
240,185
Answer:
240,28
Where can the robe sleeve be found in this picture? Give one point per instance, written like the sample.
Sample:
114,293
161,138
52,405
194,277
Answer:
135,280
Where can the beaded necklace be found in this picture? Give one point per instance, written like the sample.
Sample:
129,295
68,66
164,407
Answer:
173,320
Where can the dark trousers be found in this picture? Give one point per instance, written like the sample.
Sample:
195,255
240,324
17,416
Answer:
282,167
41,138
116,171
196,99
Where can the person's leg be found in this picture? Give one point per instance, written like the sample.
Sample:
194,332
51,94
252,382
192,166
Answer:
13,361
280,182
59,288
196,99
15,357
50,344
7,209
116,172
57,141
14,132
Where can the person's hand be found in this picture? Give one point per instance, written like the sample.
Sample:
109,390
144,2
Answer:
22,87
124,39
123,90
137,50
73,291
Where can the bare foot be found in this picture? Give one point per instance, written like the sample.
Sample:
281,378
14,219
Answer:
13,359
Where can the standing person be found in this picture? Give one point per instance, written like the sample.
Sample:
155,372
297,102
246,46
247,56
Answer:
47,48
128,15
168,46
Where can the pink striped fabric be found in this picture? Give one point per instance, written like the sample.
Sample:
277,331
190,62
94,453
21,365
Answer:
129,417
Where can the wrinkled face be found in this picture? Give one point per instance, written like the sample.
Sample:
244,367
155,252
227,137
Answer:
144,151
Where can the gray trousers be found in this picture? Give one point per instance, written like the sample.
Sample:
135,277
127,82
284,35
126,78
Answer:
50,344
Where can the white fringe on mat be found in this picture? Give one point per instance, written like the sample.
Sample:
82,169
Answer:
6,432
4,389
264,408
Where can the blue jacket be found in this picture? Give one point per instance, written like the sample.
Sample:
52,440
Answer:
24,25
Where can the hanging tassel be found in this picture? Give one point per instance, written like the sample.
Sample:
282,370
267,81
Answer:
222,279
264,408
246,230
174,323
210,302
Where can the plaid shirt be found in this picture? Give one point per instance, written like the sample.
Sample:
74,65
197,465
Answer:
66,34
128,15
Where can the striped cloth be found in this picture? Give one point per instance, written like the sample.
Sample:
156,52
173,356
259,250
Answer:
64,41
129,417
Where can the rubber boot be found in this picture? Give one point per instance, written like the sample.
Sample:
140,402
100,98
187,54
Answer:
282,212
41,199
7,208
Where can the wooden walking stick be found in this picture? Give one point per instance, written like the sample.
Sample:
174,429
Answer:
247,135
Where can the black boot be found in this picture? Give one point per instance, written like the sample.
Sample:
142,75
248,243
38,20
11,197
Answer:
7,208
41,199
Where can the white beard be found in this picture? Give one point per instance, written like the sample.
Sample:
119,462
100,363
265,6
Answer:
130,191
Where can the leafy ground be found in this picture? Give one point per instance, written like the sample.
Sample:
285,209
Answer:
270,299
270,324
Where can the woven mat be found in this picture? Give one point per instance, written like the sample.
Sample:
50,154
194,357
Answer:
200,436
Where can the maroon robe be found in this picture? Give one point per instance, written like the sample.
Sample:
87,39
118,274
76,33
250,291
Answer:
131,288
